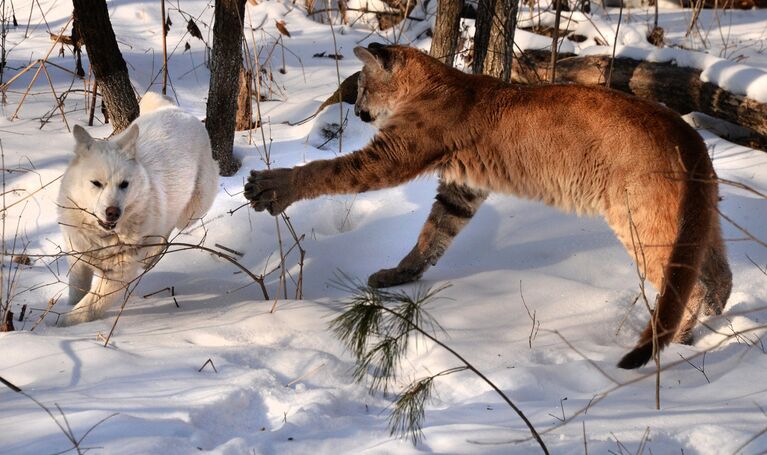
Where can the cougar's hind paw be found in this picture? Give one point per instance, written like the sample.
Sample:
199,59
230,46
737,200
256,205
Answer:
392,277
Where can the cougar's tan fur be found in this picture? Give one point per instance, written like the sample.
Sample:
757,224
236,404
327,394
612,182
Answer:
583,149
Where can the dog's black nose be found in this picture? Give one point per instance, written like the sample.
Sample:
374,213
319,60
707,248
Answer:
113,213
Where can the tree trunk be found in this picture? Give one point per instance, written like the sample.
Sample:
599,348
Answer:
494,37
444,41
244,119
483,26
225,64
6,323
679,88
496,48
106,61
510,8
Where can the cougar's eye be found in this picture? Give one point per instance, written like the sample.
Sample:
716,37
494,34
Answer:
123,184
97,184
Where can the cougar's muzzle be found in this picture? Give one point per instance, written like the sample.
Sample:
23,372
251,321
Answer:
362,114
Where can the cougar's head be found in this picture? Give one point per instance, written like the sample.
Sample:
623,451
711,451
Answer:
381,81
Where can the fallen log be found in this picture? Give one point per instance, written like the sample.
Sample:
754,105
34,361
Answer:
679,88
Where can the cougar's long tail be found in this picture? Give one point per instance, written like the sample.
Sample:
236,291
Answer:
696,215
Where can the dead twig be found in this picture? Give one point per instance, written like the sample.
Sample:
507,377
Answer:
208,362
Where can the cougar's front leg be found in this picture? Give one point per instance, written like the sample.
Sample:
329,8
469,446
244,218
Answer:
455,205
392,157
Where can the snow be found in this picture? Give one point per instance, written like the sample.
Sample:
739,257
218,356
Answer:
282,382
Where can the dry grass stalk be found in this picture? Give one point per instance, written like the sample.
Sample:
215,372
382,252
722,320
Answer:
164,33
40,68
252,61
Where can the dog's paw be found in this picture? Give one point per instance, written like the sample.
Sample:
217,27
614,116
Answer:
74,317
271,190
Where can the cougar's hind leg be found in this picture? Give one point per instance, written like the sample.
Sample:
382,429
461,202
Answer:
455,205
716,274
695,303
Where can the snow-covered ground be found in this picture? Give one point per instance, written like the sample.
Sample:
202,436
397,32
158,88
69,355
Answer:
282,382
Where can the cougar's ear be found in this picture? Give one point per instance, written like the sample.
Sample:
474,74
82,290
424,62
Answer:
367,58
376,55
127,141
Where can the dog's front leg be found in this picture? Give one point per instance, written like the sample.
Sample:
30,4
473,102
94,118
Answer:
150,255
107,288
80,278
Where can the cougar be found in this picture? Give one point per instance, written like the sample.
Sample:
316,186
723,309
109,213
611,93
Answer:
589,150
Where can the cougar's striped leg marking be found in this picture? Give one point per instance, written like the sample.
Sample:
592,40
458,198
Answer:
454,206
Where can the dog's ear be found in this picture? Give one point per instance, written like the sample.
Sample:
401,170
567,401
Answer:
127,141
376,56
83,140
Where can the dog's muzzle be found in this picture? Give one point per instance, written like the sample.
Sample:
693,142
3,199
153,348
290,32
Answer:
112,215
106,225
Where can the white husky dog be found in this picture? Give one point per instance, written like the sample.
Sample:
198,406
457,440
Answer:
120,194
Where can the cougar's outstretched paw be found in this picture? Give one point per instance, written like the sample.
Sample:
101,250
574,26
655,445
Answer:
270,190
392,277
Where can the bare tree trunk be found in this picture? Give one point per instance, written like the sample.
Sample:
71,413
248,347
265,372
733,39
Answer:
555,41
509,25
494,37
496,47
444,42
482,31
106,61
244,119
6,323
225,64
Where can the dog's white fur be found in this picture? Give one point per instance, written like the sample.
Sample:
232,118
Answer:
172,179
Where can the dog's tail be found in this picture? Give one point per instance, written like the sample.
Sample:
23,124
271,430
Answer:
153,101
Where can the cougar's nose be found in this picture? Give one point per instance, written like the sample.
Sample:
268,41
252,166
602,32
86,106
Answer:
113,213
365,116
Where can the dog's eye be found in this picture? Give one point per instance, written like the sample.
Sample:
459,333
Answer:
123,184
96,183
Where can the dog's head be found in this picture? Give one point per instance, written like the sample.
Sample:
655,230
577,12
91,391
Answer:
104,178
383,81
